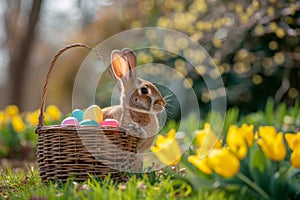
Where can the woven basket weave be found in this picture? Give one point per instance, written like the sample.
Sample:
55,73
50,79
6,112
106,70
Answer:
81,152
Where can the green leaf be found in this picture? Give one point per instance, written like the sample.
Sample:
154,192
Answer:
217,122
269,111
172,124
260,168
257,160
256,119
294,111
294,179
281,111
279,186
232,116
190,124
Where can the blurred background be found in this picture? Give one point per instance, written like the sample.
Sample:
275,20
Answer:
255,45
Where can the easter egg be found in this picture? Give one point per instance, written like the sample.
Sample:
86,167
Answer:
70,121
110,122
78,114
88,122
93,112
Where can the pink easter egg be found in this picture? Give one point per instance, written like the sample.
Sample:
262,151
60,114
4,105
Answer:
70,121
110,122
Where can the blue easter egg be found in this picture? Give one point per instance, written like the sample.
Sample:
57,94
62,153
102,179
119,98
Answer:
88,122
78,114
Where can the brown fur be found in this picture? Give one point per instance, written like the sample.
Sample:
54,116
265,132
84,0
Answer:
137,112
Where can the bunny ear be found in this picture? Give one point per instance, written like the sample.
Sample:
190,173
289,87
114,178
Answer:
131,58
119,64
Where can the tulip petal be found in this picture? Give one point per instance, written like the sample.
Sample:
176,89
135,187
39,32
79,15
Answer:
236,142
167,149
223,162
293,140
201,164
272,144
207,140
295,161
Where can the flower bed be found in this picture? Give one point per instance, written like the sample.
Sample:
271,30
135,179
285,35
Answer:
260,161
17,137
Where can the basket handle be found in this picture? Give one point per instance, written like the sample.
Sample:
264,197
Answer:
51,66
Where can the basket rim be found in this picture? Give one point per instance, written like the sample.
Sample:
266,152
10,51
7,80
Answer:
80,128
84,130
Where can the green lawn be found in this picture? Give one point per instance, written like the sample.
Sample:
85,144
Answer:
26,184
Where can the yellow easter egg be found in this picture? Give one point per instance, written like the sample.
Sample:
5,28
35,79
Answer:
93,112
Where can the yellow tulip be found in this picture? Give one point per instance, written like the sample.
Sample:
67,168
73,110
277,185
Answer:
271,143
236,142
248,133
53,112
223,162
207,140
32,118
167,149
18,124
295,161
200,163
267,132
11,110
2,118
293,140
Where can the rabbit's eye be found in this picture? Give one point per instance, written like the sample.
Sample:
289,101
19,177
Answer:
144,90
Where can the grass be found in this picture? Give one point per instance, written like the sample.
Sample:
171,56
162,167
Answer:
26,184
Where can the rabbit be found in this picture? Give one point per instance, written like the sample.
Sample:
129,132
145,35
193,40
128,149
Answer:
140,101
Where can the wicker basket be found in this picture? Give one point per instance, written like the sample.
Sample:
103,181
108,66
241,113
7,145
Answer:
81,152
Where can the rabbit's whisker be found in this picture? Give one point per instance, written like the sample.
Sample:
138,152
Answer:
170,105
168,97
168,112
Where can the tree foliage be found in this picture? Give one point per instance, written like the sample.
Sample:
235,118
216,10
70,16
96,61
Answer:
255,44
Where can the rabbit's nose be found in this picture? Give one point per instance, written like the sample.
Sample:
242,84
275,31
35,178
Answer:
159,102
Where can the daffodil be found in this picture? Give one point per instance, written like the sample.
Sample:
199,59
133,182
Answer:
237,142
271,143
17,124
223,162
53,112
11,110
207,140
200,163
167,149
293,141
